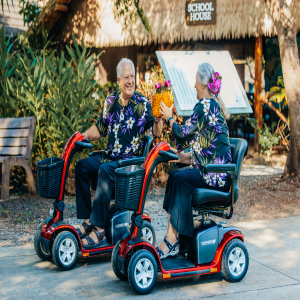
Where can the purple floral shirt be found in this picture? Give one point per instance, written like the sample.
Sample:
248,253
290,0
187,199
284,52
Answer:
206,134
125,125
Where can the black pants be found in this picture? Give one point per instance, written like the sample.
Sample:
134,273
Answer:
178,198
89,169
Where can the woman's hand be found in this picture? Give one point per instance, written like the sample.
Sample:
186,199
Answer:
184,158
167,112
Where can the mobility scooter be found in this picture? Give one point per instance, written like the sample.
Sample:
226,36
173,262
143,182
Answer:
58,240
214,246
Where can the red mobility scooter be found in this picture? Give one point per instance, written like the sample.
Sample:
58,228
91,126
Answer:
214,246
58,240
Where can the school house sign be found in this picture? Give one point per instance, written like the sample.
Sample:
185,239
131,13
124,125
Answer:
201,12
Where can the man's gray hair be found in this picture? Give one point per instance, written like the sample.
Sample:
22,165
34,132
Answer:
122,62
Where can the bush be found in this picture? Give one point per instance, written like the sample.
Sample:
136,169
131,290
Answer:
58,88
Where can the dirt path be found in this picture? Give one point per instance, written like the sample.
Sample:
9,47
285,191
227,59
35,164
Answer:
261,197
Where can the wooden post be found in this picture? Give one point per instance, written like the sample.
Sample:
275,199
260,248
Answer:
160,48
257,89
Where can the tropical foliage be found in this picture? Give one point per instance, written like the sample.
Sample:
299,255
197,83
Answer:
58,88
278,93
132,9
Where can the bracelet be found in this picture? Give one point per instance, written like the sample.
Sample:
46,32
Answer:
156,122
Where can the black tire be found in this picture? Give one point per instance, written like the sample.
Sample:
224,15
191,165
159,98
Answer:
139,257
37,246
65,239
231,271
115,265
147,226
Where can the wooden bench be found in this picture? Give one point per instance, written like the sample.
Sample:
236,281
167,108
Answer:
16,139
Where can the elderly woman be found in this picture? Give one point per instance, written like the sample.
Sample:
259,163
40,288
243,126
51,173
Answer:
206,134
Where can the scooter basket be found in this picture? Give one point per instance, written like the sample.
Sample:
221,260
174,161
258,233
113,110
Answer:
129,182
49,173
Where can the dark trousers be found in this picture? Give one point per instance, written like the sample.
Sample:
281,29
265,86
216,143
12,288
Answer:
87,170
178,198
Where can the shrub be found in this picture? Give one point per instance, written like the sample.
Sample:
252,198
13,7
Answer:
58,88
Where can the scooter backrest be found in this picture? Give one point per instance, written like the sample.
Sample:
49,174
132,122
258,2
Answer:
238,150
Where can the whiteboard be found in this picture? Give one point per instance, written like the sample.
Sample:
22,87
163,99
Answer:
181,67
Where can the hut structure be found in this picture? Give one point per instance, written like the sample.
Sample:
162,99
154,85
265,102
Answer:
13,20
239,26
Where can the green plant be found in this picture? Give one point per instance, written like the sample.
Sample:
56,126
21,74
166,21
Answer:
268,137
58,88
7,105
30,10
132,8
278,93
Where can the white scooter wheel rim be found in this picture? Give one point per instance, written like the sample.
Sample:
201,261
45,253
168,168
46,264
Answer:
236,261
144,273
147,234
67,251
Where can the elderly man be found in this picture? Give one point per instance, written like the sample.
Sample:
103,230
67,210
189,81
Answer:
125,118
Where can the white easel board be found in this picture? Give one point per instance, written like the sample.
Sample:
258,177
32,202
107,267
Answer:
180,67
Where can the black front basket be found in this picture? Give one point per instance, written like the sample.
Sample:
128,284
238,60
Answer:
129,182
49,174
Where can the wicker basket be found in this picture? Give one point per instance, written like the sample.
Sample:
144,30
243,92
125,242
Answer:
129,182
49,175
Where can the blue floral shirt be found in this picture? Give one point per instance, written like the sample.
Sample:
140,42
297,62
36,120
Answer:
125,125
206,134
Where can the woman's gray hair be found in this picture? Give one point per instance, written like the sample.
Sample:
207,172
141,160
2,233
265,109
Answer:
122,62
204,74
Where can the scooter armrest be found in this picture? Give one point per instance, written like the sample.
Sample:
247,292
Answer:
95,153
219,168
131,161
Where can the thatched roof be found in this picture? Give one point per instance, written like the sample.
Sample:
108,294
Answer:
10,15
96,22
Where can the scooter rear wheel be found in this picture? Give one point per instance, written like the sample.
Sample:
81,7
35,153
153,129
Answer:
115,266
142,272
235,261
65,250
148,232
37,246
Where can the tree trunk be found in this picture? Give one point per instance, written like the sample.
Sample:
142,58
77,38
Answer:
257,90
282,19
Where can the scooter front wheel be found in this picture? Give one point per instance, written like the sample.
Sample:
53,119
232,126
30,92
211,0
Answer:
148,232
115,265
65,250
37,246
142,272
235,261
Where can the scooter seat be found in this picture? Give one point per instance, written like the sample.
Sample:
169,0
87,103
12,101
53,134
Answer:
207,197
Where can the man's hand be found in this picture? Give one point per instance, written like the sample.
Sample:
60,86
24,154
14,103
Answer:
92,134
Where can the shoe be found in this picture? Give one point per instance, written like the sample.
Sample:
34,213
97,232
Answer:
173,249
88,229
101,239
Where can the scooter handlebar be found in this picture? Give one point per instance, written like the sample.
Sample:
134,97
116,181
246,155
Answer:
84,144
171,155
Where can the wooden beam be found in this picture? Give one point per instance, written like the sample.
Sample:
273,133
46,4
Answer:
257,89
61,7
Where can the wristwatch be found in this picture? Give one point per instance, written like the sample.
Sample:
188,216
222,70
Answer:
169,120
